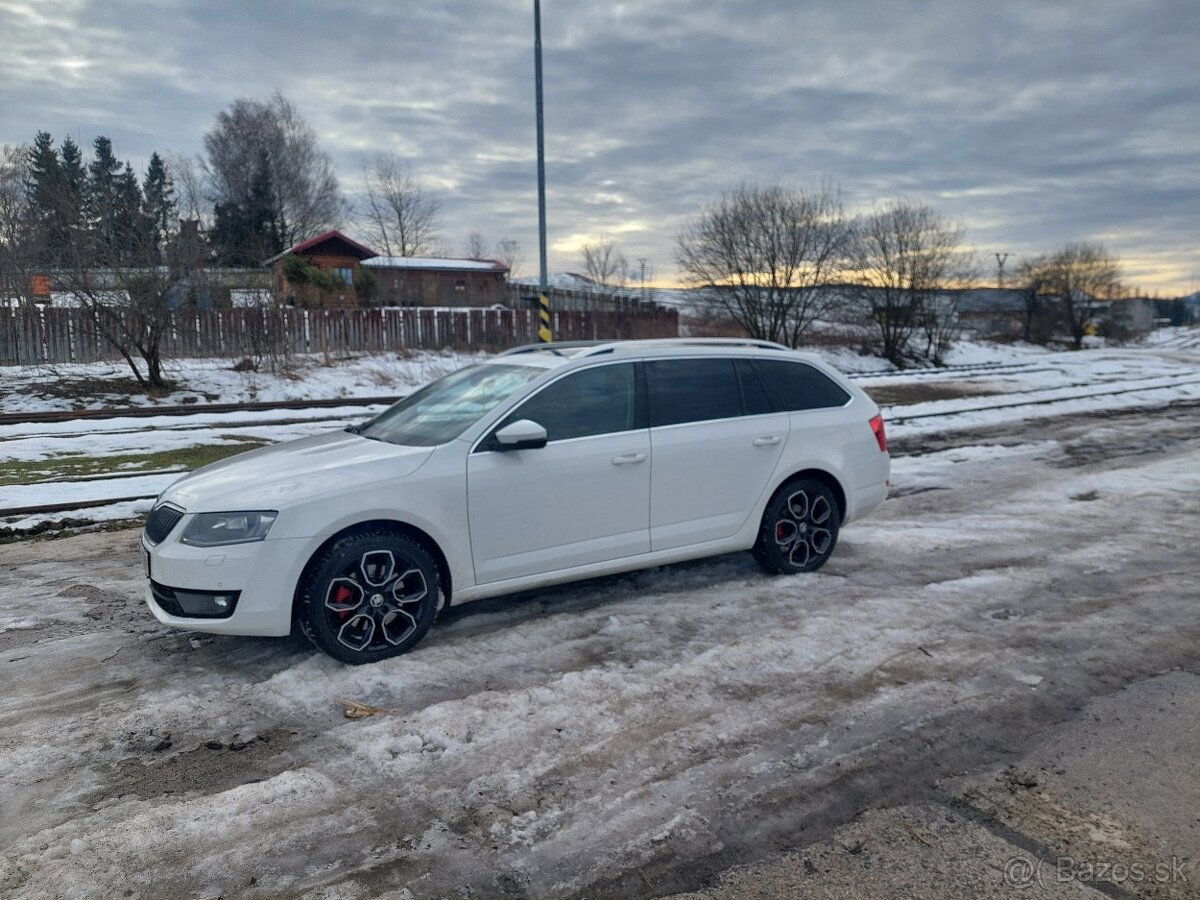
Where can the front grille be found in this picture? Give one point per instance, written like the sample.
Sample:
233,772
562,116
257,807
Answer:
161,522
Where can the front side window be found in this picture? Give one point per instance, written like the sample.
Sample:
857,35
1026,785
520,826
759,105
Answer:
441,411
591,402
692,390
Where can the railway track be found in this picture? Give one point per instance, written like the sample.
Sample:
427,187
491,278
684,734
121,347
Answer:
895,418
976,369
1181,381
192,409
223,427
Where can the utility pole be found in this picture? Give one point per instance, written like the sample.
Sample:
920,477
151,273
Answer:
642,261
545,336
1000,260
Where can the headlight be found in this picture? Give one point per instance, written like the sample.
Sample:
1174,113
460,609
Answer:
216,529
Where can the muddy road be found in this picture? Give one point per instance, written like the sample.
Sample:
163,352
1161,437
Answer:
628,736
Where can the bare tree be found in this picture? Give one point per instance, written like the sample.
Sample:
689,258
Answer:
475,247
17,234
1037,325
187,173
130,306
508,251
906,256
604,263
1068,286
305,197
401,215
763,256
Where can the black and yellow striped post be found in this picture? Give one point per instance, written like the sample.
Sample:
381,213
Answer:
545,335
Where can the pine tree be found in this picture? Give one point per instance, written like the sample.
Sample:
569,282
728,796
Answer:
158,203
246,234
44,190
74,184
104,202
266,231
131,232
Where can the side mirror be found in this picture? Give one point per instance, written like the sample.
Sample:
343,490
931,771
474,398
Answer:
524,434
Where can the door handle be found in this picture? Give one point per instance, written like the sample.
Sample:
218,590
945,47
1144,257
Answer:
628,459
770,441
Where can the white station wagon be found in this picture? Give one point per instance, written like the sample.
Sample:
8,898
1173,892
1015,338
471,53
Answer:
545,464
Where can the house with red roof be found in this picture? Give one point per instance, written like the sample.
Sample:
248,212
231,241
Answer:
322,271
333,271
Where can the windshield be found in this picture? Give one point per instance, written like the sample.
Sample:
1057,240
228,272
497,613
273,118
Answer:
444,409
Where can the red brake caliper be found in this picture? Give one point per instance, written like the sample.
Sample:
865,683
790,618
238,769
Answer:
343,594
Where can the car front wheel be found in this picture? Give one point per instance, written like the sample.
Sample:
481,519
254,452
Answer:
799,528
369,596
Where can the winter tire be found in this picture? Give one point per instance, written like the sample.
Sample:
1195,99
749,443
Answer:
799,528
369,596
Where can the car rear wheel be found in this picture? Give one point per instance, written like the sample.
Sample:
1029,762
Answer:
799,528
369,596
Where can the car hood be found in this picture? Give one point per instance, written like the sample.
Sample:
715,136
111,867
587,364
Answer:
277,476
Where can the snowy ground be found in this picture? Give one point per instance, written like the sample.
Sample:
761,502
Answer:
990,385
629,736
40,388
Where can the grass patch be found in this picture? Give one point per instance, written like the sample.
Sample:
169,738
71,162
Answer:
74,466
51,530
90,389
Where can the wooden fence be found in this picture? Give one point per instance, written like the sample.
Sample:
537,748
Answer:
29,336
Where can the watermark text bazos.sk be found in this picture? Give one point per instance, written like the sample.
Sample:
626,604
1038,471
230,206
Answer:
1026,871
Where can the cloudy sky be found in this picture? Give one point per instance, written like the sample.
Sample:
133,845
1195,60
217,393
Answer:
1032,123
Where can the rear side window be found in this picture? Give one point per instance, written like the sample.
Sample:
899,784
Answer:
692,390
795,386
591,402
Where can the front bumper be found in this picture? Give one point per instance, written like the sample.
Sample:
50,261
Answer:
263,576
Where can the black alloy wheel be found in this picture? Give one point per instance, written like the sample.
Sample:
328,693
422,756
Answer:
799,528
369,596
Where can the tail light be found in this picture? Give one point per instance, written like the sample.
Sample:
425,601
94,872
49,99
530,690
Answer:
880,435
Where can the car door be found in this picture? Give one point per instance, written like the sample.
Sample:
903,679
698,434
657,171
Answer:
583,498
715,442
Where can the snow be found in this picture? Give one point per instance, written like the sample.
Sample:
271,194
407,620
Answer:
1009,383
555,740
214,380
429,262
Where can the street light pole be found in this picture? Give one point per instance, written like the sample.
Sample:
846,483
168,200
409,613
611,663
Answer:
544,334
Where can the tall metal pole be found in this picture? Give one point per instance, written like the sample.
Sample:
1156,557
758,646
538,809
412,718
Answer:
544,334
1000,260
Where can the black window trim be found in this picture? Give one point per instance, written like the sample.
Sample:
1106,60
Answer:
754,370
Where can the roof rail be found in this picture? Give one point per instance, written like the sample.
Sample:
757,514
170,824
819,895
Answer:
553,347
595,348
715,342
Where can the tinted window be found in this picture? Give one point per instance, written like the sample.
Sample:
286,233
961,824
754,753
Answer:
754,396
797,386
594,401
692,390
